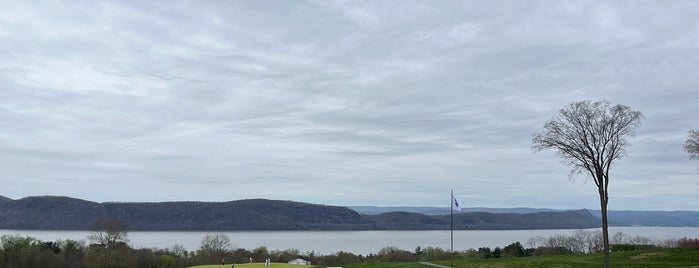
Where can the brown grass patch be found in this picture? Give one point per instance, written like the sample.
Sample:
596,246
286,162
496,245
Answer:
647,255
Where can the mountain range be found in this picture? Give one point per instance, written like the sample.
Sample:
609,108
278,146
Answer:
65,213
616,217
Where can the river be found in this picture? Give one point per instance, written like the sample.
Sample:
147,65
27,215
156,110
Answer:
358,242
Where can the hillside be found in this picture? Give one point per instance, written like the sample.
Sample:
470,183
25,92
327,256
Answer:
616,217
64,213
374,210
579,219
652,218
573,219
4,199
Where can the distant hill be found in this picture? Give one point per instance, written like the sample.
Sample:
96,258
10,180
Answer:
616,217
579,219
65,213
652,218
373,210
4,199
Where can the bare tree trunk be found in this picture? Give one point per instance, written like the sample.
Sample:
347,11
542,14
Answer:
605,232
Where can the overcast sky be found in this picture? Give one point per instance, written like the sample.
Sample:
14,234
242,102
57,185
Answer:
389,103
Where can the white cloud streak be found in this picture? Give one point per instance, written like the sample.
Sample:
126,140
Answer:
348,103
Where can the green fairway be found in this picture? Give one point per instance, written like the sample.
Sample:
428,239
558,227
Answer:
385,265
676,257
658,258
255,265
354,265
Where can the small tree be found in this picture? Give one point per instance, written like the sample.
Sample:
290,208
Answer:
260,253
588,137
485,252
166,261
497,252
214,246
109,234
72,252
514,250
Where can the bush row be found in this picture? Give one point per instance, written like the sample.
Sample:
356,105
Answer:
18,251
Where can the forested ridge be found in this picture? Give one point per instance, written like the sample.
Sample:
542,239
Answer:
64,213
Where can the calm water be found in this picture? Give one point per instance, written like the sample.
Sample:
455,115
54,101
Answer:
358,242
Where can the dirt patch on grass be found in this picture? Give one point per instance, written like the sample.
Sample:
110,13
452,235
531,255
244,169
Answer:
647,255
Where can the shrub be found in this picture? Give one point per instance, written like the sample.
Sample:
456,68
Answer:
687,242
485,253
513,250
434,253
542,251
393,254
630,247
166,261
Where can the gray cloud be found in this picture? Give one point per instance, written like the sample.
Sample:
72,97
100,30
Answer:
349,103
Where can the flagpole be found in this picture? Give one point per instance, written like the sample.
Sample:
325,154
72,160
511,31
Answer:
451,214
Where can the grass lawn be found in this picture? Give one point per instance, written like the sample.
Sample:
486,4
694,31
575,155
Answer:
354,265
677,257
255,265
657,258
385,265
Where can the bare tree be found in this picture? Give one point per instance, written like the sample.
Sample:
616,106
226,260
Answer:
108,232
588,137
214,246
692,144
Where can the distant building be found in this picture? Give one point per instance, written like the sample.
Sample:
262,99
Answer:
300,261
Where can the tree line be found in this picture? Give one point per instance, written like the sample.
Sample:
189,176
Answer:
109,248
580,242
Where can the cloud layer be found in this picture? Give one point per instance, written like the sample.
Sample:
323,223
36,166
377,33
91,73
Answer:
347,103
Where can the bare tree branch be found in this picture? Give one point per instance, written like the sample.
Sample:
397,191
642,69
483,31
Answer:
108,232
589,136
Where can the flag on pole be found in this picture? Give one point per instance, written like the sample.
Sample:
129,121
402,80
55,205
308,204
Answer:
455,204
